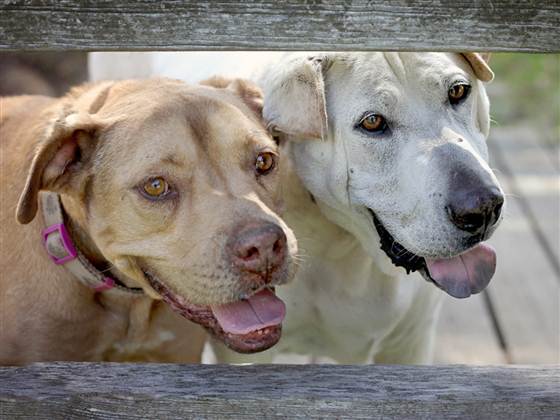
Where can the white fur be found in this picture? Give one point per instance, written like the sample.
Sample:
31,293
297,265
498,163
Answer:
349,302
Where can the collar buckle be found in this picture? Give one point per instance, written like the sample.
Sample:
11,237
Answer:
58,244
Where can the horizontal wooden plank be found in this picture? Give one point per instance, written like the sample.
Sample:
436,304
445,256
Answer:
103,391
434,25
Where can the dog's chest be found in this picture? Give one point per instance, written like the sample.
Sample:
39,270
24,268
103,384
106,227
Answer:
341,310
150,332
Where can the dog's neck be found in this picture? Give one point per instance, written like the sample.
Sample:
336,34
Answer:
75,220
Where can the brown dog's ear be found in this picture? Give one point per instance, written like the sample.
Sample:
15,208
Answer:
250,93
485,56
64,149
479,63
295,97
217,82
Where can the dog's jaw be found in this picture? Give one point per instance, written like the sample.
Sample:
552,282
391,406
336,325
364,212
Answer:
254,341
459,276
399,255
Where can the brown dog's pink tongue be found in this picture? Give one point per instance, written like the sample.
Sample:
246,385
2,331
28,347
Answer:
465,274
261,310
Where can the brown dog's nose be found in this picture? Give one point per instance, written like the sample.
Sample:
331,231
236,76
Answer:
258,248
476,210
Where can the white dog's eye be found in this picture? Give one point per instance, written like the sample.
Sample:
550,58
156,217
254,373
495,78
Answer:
458,93
373,123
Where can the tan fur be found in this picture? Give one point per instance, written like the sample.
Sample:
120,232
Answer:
203,139
479,63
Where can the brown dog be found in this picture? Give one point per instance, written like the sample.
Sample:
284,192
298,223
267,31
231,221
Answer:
162,191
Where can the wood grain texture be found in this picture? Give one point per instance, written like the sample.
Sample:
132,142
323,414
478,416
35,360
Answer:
434,25
102,391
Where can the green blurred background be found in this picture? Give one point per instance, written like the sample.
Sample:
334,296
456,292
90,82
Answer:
526,91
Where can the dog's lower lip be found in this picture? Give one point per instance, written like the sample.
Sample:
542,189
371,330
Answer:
399,255
254,341
404,258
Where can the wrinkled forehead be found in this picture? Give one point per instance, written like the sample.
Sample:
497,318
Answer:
384,82
186,130
399,71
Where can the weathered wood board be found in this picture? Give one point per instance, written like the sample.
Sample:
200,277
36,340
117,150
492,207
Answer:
434,25
134,391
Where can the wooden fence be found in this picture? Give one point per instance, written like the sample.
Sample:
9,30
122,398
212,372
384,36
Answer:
467,25
166,391
86,390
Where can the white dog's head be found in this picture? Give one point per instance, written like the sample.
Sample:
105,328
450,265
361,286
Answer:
392,147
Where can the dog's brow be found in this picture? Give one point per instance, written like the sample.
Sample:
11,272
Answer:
380,99
173,160
258,137
395,63
448,79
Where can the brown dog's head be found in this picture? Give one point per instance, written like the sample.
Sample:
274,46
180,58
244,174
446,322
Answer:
176,187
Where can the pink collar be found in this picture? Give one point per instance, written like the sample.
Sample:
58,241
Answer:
61,250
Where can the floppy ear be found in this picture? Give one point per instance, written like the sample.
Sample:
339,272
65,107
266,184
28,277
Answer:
479,63
295,97
249,92
63,152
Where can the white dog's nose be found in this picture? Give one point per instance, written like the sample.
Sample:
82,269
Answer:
474,198
474,210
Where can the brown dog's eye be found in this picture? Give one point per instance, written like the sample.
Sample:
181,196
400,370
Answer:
458,93
373,123
155,187
265,163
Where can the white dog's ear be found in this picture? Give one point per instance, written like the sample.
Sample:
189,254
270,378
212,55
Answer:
65,146
479,63
295,97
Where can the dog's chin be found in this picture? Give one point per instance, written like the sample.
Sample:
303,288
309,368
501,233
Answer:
460,276
229,323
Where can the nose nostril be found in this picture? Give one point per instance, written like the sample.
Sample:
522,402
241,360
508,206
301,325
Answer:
470,222
277,247
498,210
250,254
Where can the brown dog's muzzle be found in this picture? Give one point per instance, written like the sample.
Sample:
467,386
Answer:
258,250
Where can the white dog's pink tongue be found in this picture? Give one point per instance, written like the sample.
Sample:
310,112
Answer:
261,310
465,274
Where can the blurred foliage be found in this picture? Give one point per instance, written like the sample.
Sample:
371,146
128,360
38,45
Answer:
526,90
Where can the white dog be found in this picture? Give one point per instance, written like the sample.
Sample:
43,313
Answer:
387,174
